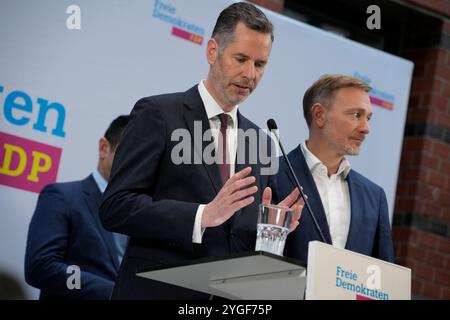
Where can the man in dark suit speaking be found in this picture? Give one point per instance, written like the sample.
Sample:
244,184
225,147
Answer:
69,254
350,209
174,206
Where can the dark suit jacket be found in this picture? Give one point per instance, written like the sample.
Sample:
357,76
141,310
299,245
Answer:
66,230
154,200
370,231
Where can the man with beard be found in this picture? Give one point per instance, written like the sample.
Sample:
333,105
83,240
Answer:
350,209
175,211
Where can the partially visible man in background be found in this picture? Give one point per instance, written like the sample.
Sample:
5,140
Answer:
66,239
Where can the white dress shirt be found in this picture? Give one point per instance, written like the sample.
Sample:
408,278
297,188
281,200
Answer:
334,194
213,110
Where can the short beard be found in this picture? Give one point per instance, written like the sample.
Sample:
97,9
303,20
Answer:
351,151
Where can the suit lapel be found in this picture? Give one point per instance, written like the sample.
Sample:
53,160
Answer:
92,197
357,210
309,187
197,122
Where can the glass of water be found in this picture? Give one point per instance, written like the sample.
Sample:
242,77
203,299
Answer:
272,228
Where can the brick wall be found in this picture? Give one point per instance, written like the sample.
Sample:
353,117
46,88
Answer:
422,213
440,6
274,5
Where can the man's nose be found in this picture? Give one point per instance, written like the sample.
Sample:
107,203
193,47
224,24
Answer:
364,126
249,70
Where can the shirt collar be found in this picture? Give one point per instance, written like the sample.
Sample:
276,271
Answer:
313,162
212,108
99,180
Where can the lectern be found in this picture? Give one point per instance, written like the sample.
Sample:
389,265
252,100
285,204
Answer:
333,273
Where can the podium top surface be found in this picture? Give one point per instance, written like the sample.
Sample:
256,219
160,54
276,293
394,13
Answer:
244,275
235,257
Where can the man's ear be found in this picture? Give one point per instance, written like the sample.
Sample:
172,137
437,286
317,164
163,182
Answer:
103,148
318,114
212,51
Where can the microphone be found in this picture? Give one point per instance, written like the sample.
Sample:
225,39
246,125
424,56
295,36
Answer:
271,124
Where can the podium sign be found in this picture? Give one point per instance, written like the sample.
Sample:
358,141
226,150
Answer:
338,274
